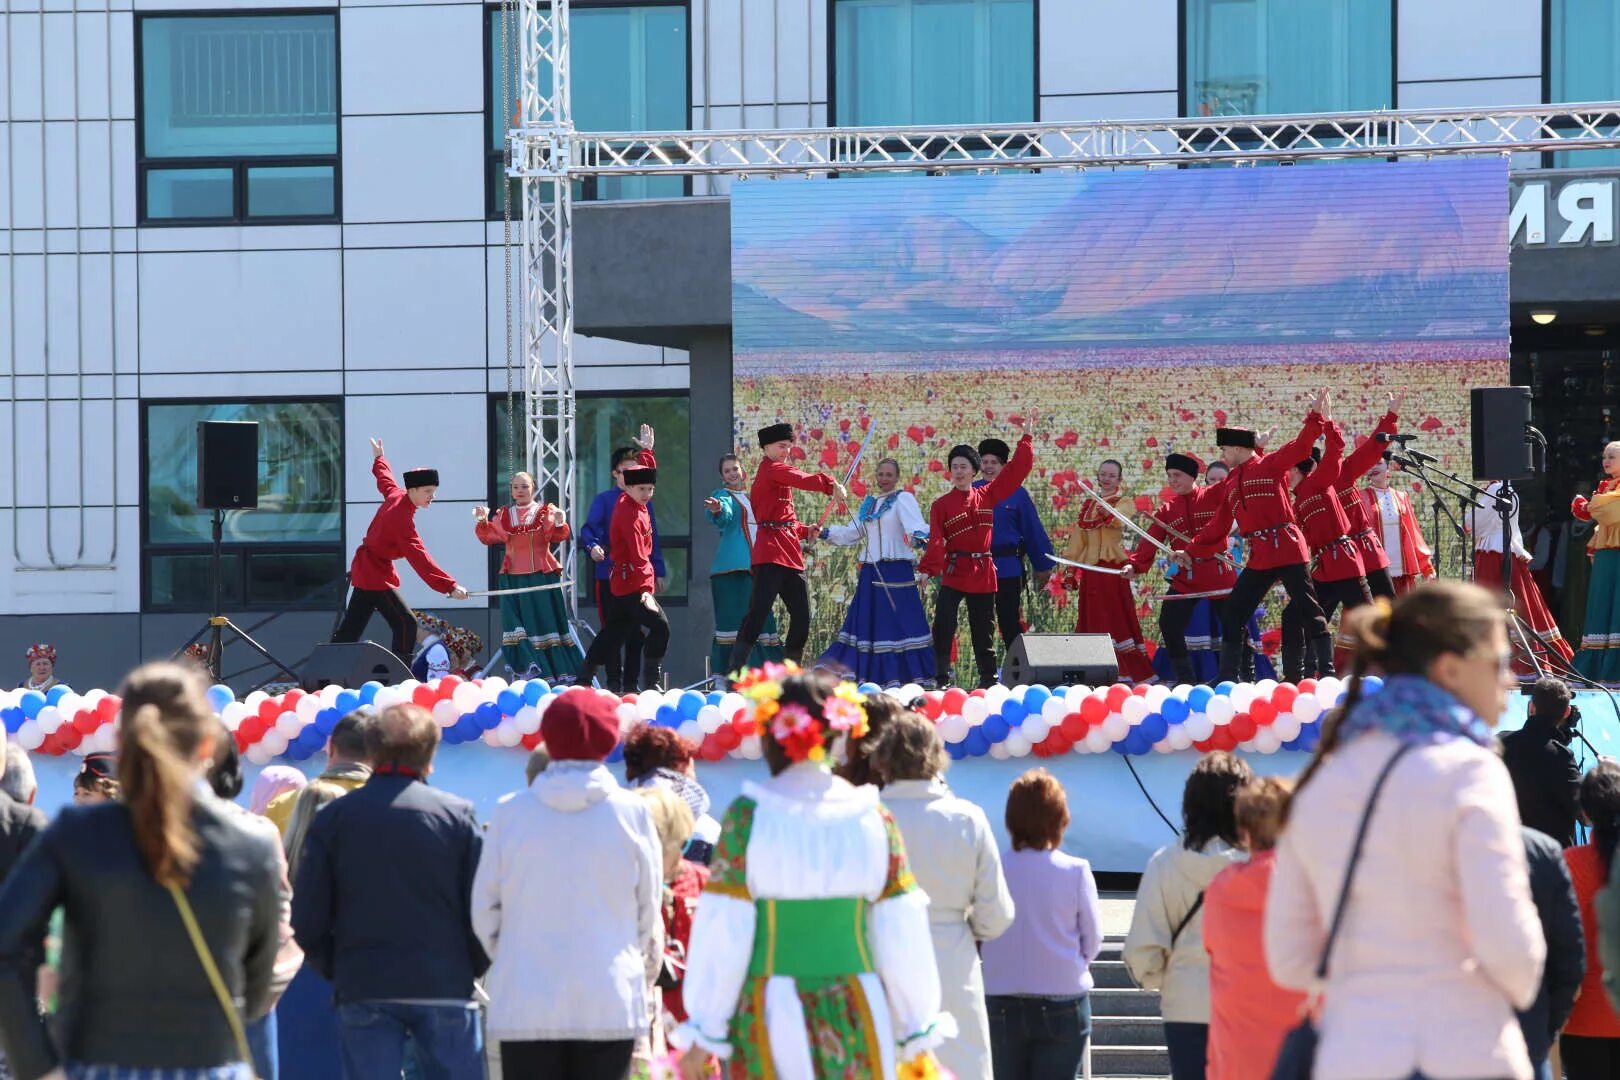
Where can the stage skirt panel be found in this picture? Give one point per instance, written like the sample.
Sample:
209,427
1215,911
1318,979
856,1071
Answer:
1599,658
885,638
1527,602
1204,646
534,634
731,591
1104,604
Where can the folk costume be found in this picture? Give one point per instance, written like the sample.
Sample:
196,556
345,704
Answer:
40,652
1338,575
810,955
1599,658
731,580
1016,535
1368,539
447,650
1411,560
885,637
631,581
1255,496
621,669
1104,603
535,639
1528,603
960,525
778,551
391,535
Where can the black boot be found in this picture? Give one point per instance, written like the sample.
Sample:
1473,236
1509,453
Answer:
1231,661
1183,668
1322,650
652,674
586,675
1248,663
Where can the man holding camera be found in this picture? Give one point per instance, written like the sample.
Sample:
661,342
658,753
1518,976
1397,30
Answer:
1545,776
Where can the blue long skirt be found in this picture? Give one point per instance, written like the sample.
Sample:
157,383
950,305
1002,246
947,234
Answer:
1204,646
885,637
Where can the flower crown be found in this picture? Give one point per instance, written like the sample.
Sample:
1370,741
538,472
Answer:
798,731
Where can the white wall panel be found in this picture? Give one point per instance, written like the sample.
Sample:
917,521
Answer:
448,433
413,308
1156,106
1470,93
413,168
724,44
1108,46
25,65
242,384
1462,39
426,58
430,382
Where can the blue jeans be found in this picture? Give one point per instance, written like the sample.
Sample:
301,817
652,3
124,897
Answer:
1189,1049
448,1040
1034,1038
261,1040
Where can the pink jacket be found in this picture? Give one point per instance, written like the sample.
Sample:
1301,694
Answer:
1440,941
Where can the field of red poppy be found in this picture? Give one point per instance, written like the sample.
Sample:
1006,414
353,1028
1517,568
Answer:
1079,416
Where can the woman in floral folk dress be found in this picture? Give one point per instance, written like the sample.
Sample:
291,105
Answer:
810,955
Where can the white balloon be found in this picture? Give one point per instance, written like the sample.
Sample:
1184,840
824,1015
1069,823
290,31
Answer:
1156,696
994,696
274,742
1179,737
953,729
104,741
445,713
289,725
1097,740
1307,707
1077,693
1199,727
1266,741
1115,727
386,697
258,754
1055,709
69,704
1181,691
647,703
1241,697
730,704
1220,710
1017,745
1286,726
974,710
1035,728
49,719
308,706
690,731
467,697
526,720
493,685
909,692
1163,746
90,698
750,748
709,719
255,699
30,736
1134,710
1328,689
233,715
408,687
329,694
999,751
1247,746
1264,687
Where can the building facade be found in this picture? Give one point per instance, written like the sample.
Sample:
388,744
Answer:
294,214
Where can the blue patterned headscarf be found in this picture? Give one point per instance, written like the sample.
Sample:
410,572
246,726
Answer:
1414,710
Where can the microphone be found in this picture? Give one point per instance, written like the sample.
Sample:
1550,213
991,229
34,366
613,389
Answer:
1420,457
1404,462
1401,437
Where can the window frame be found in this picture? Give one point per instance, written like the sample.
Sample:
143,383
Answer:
831,36
239,165
589,186
1549,158
244,549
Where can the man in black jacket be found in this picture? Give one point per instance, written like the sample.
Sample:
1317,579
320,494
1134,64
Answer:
382,908
1554,896
1545,776
20,822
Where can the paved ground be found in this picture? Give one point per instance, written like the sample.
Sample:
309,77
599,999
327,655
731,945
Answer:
1116,913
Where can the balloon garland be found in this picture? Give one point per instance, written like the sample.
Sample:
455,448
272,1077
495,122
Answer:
1001,722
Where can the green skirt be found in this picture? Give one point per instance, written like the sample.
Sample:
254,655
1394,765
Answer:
535,628
1599,658
731,593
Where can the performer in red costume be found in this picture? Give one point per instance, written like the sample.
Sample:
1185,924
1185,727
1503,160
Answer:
1256,497
778,547
1189,508
1104,603
961,523
1374,559
1410,558
392,535
1337,574
632,579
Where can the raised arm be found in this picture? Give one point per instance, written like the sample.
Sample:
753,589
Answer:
1007,481
1142,554
1369,453
786,475
1289,454
384,473
491,531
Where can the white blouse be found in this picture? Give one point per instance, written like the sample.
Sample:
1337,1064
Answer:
1389,518
887,523
1488,527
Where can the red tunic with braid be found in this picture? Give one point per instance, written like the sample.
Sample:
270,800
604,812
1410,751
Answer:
960,526
630,541
780,532
1255,495
1362,459
1186,514
1322,519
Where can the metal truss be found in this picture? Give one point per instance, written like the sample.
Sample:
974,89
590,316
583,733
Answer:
548,154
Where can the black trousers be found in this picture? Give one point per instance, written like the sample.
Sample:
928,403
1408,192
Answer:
981,628
1588,1057
1379,583
1174,615
567,1059
633,639
1252,585
1330,596
1010,608
770,581
626,615
395,612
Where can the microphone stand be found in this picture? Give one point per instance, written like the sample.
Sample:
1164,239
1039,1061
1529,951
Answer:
1444,483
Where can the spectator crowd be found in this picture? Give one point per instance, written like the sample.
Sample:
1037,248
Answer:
1424,900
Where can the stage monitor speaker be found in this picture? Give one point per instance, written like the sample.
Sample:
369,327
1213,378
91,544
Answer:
1500,416
227,464
351,663
1061,660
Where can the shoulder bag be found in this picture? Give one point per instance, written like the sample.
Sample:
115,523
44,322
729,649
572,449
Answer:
215,979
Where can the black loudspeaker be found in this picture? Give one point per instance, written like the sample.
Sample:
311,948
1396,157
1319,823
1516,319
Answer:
1061,660
227,464
350,663
1500,417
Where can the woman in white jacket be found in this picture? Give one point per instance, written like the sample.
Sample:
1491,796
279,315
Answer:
566,903
1164,949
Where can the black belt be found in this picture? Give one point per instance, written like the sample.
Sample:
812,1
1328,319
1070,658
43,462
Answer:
1007,552
777,524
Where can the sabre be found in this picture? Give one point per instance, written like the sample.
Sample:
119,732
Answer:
1086,566
1125,521
523,589
849,474
1177,534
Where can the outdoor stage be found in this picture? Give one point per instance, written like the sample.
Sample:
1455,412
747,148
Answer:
1113,824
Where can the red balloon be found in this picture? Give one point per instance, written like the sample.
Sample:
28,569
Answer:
86,722
976,692
1093,711
424,696
241,741
1224,738
1203,746
953,701
728,737
107,707
1243,727
1057,743
1306,686
252,728
934,704
1115,697
1284,697
1263,712
269,709
531,740
447,686
1042,749
68,737
50,745
1139,690
291,698
1073,727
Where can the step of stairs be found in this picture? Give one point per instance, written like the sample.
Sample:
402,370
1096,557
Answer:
1127,1036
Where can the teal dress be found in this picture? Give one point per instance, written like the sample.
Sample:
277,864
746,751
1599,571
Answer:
731,580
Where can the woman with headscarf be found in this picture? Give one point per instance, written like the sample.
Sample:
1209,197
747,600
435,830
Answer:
273,781
41,669
535,638
447,650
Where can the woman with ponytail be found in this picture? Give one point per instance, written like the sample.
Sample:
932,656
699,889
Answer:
1439,941
140,993
1591,1041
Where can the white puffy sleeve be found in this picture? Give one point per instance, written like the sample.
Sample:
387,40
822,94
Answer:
911,518
903,953
722,939
843,535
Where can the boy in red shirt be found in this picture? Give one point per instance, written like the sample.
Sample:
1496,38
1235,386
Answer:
392,535
632,580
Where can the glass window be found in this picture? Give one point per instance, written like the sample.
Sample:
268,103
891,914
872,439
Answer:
905,62
223,92
630,74
1247,57
603,422
288,552
1583,50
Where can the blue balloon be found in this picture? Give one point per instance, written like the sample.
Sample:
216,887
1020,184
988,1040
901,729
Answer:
1154,727
1198,698
368,691
1035,697
687,708
509,702
325,721
715,697
666,716
468,727
218,697
1370,685
13,718
488,715
347,701
617,755
1174,710
1291,744
995,728
869,688
1013,712
58,692
976,744
32,701
955,751
1137,742
1122,746
533,692
1225,689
